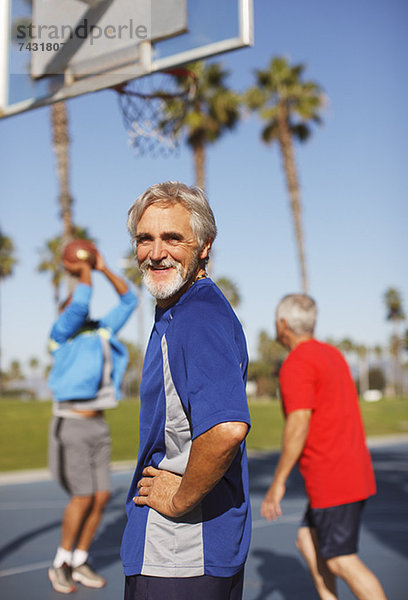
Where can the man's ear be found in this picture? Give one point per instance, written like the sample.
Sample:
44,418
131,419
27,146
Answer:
205,250
281,326
285,327
284,323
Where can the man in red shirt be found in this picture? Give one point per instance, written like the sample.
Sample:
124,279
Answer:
324,433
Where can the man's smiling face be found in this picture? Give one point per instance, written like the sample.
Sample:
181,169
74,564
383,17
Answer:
167,250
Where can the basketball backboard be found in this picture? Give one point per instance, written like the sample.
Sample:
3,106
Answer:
59,49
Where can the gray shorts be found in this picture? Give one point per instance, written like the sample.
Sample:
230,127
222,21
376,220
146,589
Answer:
79,454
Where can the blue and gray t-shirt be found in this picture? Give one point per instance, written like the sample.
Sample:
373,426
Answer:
194,378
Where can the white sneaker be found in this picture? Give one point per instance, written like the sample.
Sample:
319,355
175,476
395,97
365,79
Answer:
85,575
61,579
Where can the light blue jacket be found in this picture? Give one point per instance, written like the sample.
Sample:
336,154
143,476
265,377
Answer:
77,351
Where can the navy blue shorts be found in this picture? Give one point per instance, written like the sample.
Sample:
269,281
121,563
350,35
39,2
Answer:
337,528
205,587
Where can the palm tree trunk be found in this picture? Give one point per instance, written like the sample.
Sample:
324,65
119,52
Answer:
396,358
286,146
199,164
199,169
363,374
59,122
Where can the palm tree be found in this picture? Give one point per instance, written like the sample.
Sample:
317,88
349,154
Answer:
287,105
230,291
393,303
395,314
207,115
51,262
8,261
347,346
34,364
50,259
265,370
378,353
15,371
362,355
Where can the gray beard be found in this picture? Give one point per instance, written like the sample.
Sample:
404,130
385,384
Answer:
167,290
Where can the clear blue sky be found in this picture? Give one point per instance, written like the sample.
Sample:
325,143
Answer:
352,173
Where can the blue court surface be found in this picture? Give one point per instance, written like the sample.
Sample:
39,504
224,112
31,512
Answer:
30,517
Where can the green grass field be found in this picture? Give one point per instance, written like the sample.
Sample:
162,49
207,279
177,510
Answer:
24,428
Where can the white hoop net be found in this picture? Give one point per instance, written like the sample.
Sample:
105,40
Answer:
153,109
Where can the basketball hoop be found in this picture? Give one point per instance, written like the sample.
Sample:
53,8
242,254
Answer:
153,108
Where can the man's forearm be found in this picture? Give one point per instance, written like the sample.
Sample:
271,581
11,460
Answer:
294,439
118,283
210,457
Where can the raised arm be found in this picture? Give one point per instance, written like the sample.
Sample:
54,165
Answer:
76,311
294,438
211,455
118,283
119,314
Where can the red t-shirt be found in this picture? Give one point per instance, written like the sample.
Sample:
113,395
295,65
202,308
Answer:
335,462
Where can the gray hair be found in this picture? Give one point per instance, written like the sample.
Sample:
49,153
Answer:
299,311
202,219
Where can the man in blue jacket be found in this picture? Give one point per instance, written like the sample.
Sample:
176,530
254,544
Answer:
88,368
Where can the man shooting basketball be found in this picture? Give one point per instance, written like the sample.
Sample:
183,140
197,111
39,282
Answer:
89,364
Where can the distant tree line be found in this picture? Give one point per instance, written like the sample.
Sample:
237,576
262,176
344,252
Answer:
375,367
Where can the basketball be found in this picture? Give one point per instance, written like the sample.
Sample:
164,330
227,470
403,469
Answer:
80,250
